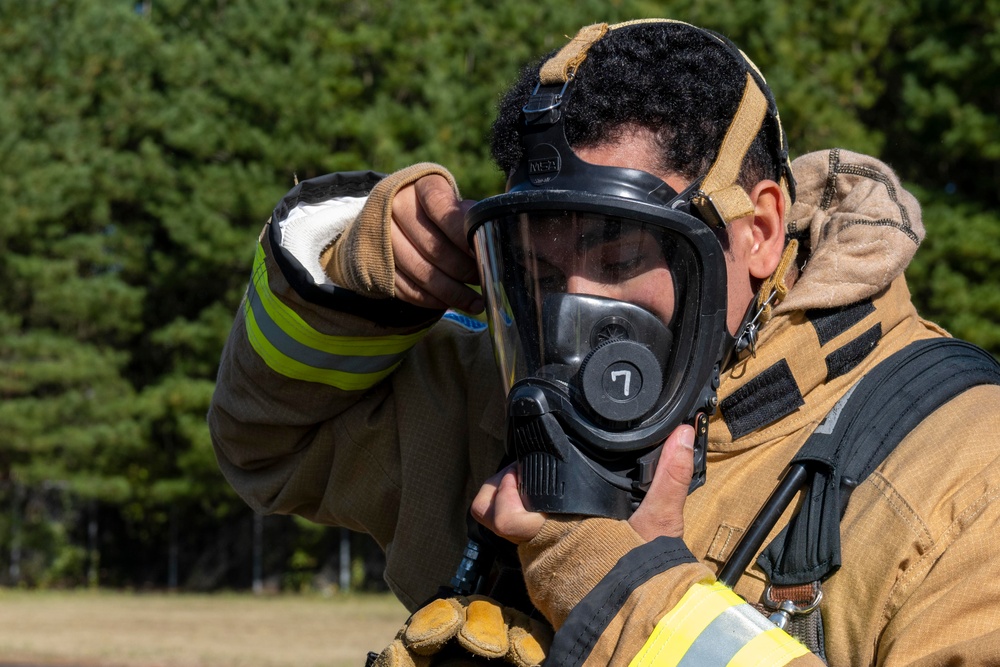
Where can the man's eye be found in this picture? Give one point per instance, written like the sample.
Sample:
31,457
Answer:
621,270
552,281
547,276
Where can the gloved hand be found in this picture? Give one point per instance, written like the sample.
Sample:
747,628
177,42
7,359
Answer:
476,627
409,242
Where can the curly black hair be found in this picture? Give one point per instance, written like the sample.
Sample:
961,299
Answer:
675,80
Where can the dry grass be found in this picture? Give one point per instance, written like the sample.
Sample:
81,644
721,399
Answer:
101,629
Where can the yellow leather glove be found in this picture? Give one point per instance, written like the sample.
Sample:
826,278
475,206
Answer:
476,626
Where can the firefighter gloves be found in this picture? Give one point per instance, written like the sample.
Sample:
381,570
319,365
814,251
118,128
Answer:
463,629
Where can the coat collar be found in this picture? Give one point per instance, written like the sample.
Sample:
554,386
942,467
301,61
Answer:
805,361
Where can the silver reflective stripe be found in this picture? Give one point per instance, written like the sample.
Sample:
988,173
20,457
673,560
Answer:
725,636
304,354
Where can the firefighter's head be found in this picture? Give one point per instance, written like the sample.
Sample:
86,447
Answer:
647,180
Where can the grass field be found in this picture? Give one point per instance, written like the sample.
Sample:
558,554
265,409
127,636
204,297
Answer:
102,629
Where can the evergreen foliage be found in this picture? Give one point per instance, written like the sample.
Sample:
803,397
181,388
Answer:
143,144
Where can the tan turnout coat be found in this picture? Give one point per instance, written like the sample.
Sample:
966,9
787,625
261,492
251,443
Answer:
920,581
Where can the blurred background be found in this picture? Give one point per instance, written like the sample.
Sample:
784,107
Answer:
143,145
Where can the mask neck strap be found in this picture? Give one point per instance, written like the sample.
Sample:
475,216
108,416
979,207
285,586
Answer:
771,293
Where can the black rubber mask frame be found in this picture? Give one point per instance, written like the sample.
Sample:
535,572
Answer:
571,460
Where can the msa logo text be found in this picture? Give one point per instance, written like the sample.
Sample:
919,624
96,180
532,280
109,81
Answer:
543,165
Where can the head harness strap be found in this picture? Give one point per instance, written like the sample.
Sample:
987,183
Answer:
561,67
720,199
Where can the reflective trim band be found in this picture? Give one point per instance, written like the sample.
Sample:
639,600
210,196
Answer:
468,322
773,647
588,621
290,347
711,625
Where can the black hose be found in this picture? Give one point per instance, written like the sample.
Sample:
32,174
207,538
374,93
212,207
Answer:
794,479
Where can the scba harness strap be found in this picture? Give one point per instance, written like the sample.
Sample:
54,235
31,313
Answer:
858,434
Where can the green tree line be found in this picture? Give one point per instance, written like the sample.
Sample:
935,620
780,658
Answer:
143,144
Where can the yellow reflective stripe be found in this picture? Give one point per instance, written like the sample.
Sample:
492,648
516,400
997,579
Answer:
290,347
774,647
284,365
678,629
296,327
713,625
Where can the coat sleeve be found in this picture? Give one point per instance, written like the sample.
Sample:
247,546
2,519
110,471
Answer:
944,606
616,600
953,616
304,407
305,359
367,413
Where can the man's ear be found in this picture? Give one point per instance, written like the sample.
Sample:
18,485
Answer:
767,229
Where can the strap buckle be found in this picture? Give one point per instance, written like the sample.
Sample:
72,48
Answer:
539,104
708,209
788,601
747,339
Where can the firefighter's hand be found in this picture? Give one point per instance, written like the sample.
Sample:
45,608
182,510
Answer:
661,512
498,505
468,631
433,261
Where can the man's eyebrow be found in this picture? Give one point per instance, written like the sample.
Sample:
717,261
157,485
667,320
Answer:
590,239
598,235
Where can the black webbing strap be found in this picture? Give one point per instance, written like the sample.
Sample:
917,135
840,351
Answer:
587,621
858,434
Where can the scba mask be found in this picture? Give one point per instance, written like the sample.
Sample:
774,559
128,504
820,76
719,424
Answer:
605,292
607,326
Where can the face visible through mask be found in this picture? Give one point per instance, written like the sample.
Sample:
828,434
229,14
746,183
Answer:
606,299
598,256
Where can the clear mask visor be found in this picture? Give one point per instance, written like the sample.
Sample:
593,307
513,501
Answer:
562,287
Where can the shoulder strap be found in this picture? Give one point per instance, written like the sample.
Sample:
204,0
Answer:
863,428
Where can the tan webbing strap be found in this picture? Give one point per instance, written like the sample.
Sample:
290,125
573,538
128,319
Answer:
721,200
774,289
625,24
742,130
782,181
785,192
719,188
558,68
730,199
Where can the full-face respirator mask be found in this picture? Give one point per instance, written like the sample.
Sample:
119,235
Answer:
606,296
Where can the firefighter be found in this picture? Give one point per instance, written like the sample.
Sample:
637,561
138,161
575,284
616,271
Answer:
673,307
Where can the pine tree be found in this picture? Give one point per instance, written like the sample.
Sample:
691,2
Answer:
144,144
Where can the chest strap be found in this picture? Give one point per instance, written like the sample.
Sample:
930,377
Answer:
861,430
885,406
